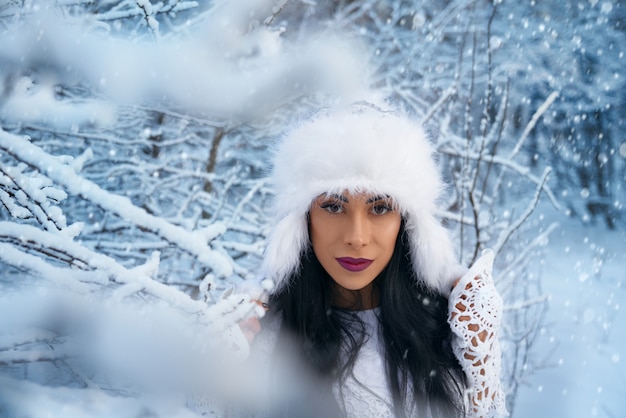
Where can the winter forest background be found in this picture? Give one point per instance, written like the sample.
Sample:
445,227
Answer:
135,137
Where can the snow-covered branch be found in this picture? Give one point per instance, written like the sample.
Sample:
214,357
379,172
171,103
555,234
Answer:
31,197
148,15
100,269
194,242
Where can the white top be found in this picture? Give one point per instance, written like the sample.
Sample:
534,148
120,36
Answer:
366,392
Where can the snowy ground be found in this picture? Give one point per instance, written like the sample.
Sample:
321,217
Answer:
585,333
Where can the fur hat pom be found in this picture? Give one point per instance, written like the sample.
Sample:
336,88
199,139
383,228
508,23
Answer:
359,150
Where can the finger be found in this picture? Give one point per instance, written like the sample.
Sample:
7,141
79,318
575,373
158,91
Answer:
250,327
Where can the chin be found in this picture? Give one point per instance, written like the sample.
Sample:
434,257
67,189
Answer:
354,287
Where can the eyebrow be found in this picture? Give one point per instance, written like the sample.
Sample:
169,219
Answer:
339,197
376,198
370,200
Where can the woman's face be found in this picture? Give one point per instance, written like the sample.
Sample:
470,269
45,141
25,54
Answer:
353,237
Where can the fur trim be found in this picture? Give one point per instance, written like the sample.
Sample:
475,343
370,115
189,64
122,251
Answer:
356,151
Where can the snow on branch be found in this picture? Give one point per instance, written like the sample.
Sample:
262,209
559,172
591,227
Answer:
75,281
30,196
193,242
101,269
161,7
148,15
134,326
97,272
533,121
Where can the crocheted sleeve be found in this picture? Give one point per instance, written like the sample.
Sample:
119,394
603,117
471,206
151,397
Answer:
475,315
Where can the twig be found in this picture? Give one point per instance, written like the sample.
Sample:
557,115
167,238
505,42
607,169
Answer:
533,121
531,208
279,8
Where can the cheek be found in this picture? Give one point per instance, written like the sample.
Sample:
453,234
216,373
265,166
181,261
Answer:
319,231
389,233
321,245
316,239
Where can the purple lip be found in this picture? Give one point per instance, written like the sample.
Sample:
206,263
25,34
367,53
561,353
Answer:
354,264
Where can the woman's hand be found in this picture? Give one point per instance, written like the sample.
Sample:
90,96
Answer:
475,315
252,326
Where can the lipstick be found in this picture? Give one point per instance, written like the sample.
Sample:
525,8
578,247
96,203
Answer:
354,264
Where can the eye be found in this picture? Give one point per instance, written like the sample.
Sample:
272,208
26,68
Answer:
381,208
332,207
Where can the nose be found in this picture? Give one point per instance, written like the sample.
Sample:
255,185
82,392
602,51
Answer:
357,231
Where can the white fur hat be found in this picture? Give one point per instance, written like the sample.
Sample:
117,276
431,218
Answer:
359,150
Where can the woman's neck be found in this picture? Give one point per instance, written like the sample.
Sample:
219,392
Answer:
356,300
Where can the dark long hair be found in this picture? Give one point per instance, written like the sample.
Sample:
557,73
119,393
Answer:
415,332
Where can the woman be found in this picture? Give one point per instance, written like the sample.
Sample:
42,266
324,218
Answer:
363,272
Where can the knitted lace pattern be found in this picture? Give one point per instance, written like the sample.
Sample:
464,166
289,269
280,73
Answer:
475,315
